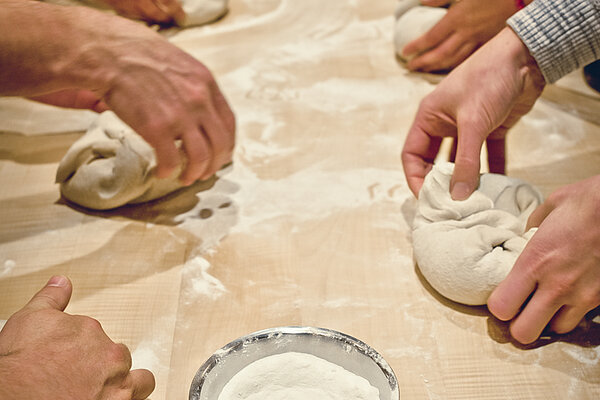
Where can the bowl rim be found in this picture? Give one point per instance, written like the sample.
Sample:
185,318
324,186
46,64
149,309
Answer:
276,332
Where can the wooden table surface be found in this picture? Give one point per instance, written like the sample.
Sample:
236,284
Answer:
309,226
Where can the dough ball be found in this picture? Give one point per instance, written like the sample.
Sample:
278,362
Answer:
466,248
111,166
412,22
199,12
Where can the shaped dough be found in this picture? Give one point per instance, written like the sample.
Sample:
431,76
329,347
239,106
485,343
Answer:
466,248
110,166
199,12
413,21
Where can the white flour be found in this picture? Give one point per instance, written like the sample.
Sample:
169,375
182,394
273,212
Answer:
297,376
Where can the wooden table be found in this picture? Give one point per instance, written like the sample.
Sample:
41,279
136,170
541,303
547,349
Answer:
310,226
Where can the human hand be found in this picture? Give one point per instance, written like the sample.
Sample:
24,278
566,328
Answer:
556,279
168,96
160,91
48,354
482,98
467,25
158,11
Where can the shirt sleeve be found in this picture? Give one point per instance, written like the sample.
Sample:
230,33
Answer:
561,35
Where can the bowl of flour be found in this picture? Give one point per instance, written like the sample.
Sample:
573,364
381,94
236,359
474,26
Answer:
294,363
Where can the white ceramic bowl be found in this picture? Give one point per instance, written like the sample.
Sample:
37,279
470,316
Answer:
335,347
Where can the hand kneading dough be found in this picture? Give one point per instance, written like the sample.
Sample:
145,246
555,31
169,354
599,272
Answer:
412,22
466,248
110,166
198,12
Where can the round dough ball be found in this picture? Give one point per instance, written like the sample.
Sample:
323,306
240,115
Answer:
414,22
111,166
466,248
199,12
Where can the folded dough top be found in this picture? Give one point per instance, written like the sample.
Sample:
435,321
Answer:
466,248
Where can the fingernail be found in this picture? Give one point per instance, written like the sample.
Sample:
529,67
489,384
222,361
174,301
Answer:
57,281
460,191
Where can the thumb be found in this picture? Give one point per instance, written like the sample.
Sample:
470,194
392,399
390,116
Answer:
55,295
465,178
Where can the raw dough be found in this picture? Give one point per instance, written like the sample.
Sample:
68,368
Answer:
412,22
110,166
297,376
466,248
199,12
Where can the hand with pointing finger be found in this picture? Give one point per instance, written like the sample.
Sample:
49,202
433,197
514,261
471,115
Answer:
48,354
480,100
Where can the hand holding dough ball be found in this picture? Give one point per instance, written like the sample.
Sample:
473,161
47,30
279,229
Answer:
412,22
466,248
111,166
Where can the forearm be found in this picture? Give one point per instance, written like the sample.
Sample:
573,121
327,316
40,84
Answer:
45,47
561,35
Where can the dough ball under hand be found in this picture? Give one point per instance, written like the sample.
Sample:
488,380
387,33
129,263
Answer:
464,249
199,12
412,21
111,166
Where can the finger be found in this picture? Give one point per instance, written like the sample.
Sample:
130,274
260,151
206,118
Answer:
418,156
153,11
432,38
167,154
539,215
224,148
142,383
496,150
530,323
224,111
446,56
54,295
173,9
567,318
512,293
199,154
465,178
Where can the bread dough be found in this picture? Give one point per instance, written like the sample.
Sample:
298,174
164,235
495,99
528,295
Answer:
199,12
110,166
413,21
466,248
297,376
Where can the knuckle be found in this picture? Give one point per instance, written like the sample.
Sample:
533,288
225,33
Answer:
89,323
119,354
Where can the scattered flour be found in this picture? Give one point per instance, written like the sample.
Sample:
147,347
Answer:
2,323
201,283
9,265
144,356
297,376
